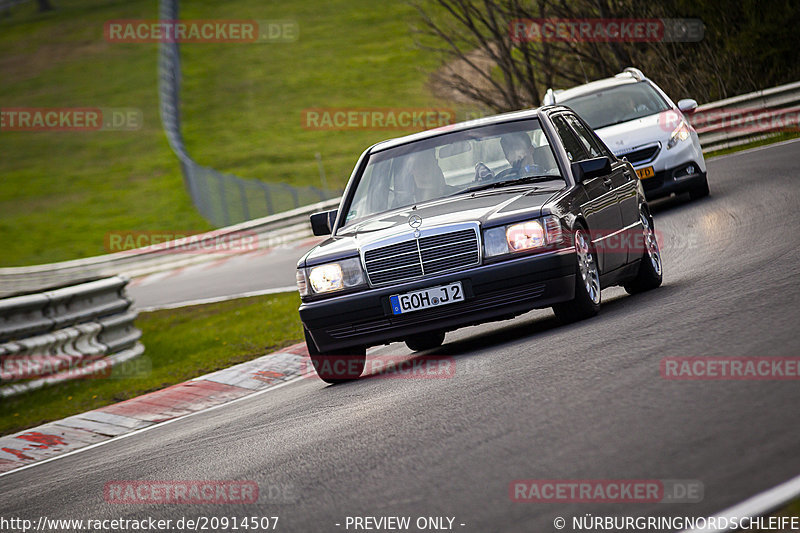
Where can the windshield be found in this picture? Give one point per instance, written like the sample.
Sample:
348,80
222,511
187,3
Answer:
618,104
500,155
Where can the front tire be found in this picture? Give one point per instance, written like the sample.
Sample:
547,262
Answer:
651,271
336,366
701,191
425,341
586,302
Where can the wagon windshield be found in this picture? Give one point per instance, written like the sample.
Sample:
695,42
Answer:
502,155
617,104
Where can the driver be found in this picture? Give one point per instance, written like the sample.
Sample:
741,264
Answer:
630,106
518,150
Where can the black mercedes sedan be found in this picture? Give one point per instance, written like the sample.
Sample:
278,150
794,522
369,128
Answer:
469,223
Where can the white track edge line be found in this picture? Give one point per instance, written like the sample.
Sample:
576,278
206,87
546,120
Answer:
758,505
148,428
215,299
755,149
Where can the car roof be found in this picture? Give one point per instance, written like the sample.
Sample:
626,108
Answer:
594,86
461,126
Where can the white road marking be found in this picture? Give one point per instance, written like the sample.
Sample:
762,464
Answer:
216,299
758,505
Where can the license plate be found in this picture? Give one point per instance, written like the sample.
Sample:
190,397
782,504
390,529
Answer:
425,298
646,172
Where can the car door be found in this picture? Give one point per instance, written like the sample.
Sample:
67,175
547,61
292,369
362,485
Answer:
625,184
624,181
601,209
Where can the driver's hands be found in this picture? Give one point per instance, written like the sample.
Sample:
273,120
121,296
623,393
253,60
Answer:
483,173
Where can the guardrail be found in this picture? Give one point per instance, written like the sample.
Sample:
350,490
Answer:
69,333
269,231
745,118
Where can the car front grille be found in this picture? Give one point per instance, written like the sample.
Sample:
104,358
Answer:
643,154
426,255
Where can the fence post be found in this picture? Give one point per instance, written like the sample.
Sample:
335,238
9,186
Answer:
243,196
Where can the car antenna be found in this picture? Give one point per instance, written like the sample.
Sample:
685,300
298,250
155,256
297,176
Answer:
585,79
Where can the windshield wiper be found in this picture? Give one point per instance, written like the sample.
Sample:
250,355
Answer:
506,183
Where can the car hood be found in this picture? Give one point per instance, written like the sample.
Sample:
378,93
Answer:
489,208
622,138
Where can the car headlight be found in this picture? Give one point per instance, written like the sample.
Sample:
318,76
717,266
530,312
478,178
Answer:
336,276
681,133
522,236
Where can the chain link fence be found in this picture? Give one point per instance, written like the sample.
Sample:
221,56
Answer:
223,199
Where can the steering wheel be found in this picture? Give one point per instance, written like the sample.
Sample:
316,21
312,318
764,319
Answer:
506,174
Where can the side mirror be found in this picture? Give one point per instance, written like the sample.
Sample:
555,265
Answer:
687,105
322,223
591,168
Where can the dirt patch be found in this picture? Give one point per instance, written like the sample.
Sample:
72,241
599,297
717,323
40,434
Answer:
443,82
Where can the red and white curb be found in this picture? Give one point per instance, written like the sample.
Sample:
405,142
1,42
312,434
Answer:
76,432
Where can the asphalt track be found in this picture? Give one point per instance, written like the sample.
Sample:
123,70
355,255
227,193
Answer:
238,274
530,399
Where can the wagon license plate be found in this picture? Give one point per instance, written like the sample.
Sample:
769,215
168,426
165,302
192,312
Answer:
646,172
425,298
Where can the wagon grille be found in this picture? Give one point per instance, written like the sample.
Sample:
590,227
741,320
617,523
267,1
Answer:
423,256
643,154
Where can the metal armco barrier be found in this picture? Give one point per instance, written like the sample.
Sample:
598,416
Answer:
270,231
742,119
68,333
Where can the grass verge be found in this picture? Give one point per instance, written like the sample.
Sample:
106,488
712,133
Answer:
782,136
180,344
242,112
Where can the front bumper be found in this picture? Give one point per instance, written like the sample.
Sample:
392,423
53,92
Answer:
673,180
494,291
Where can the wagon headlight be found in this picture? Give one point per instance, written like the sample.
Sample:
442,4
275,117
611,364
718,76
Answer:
335,276
681,133
522,236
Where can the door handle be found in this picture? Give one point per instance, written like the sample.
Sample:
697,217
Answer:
607,182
